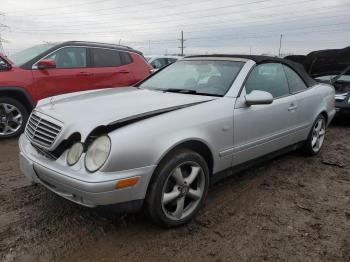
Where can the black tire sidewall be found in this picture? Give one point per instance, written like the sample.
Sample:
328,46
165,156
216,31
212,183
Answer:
22,109
154,198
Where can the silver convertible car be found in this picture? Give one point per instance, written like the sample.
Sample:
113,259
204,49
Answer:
160,143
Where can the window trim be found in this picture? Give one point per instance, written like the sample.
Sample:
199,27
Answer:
273,62
88,56
34,66
256,65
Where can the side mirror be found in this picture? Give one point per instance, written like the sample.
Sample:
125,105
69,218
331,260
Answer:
46,64
258,97
5,66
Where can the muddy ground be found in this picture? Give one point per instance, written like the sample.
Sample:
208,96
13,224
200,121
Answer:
293,208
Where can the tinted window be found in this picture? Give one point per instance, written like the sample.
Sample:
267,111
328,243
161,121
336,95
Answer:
105,57
69,57
268,77
159,63
126,58
171,60
296,84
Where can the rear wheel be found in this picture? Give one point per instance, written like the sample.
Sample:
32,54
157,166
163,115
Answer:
13,117
316,137
179,188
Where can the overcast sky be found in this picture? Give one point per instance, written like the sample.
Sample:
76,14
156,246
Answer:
154,26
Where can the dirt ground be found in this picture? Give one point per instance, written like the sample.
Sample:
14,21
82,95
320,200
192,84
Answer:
293,208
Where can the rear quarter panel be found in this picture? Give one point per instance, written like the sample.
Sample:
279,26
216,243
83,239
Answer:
140,68
311,103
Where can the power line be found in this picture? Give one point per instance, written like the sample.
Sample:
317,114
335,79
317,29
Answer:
305,16
72,14
240,27
167,17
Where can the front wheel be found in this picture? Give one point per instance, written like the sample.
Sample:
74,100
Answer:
13,117
316,137
179,188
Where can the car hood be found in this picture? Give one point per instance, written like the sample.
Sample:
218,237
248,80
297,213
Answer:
327,62
83,111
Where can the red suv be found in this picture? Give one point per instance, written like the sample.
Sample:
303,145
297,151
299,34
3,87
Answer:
47,70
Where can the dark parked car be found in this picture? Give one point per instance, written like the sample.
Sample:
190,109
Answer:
48,70
331,66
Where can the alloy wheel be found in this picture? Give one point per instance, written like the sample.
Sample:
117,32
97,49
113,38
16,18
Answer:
183,190
11,119
318,135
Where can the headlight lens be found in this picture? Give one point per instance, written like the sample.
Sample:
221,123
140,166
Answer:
341,97
74,154
97,153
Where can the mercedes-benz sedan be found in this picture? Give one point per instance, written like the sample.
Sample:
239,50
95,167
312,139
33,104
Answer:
160,143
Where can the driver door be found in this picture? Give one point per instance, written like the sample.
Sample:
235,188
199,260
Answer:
262,129
70,75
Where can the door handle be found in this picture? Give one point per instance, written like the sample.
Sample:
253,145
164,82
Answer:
123,72
84,74
292,107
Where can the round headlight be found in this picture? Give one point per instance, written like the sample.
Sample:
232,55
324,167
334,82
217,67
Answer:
74,154
97,153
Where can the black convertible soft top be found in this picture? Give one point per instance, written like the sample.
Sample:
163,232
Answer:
259,59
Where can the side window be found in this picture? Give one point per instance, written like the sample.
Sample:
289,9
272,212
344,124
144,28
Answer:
126,58
269,77
159,63
105,57
171,60
69,57
296,84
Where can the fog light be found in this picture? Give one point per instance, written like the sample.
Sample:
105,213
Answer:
74,154
126,182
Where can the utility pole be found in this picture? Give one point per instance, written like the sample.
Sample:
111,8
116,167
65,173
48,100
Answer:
149,47
182,40
279,50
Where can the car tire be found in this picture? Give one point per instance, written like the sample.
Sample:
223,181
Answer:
169,193
13,117
316,137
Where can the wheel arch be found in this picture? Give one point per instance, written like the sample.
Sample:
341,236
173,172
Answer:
18,94
195,145
325,115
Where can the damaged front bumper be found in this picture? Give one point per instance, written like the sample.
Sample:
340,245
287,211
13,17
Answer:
79,186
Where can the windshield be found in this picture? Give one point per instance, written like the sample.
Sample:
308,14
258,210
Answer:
195,77
28,54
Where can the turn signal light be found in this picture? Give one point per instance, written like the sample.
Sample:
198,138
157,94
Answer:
127,182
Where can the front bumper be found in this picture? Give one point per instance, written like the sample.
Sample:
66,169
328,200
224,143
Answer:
343,107
93,190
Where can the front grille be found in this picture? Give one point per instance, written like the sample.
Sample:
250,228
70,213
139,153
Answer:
42,132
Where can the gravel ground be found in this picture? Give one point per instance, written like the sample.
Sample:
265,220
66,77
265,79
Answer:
293,208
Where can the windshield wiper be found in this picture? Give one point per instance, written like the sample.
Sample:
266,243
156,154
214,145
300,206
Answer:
336,78
188,91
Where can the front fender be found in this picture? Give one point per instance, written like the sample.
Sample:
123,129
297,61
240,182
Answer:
146,142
